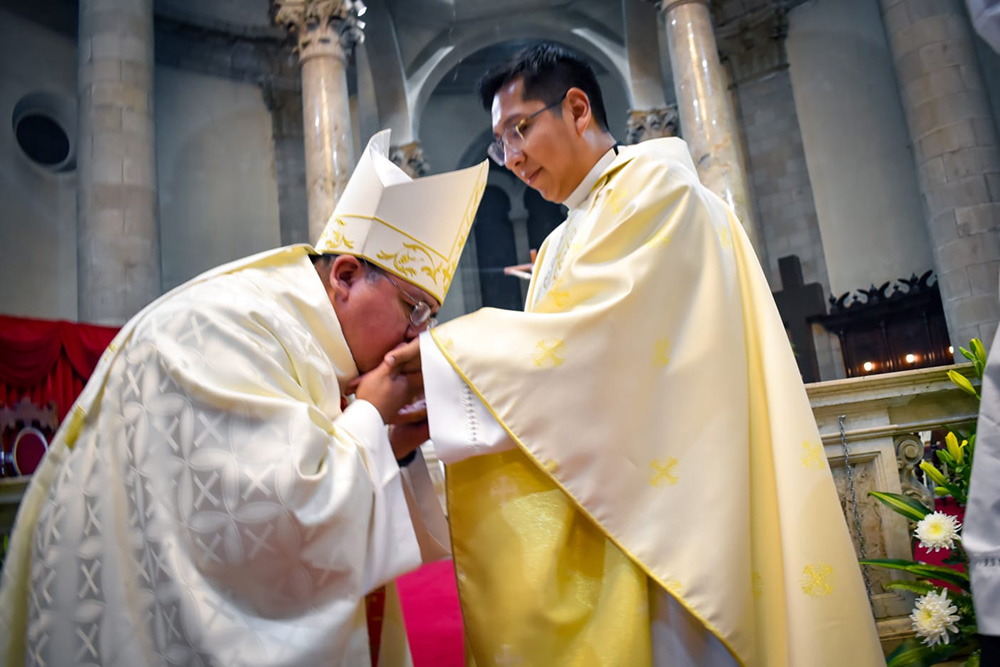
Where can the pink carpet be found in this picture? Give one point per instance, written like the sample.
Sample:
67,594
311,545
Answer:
433,617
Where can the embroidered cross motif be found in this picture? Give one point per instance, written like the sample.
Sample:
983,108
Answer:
812,454
664,474
561,298
659,240
725,237
549,353
817,580
616,199
661,352
88,638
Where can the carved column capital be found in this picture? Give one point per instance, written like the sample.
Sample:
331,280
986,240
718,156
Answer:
322,27
753,45
652,124
410,158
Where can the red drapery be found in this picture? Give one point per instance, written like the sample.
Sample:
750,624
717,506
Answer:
48,361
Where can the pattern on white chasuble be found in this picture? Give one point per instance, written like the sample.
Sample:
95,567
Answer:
184,541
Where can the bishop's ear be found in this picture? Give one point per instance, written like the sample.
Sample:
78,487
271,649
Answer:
345,271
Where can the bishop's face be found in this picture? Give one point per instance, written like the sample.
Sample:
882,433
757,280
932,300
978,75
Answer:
374,311
544,159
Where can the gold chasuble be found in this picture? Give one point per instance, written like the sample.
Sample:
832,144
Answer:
664,444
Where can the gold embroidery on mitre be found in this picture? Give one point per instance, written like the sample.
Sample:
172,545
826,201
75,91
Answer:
663,473
817,580
661,352
549,353
812,454
467,219
414,258
335,236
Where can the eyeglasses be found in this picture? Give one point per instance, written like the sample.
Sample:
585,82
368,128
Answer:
513,136
421,313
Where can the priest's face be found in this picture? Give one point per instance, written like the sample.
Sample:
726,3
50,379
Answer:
374,309
547,158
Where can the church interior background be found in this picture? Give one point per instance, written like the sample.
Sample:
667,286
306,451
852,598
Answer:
143,142
169,138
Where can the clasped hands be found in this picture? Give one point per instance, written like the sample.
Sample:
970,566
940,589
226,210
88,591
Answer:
396,388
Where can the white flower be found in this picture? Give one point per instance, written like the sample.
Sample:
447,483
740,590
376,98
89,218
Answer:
934,617
937,530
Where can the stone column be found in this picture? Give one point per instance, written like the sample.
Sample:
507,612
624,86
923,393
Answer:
707,120
957,154
753,48
651,124
326,32
410,158
118,243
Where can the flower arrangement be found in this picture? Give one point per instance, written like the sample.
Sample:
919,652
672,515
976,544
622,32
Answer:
943,617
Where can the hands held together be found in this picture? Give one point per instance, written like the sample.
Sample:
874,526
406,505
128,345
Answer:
395,387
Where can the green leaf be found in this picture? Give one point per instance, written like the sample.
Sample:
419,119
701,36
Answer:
962,383
912,653
979,350
968,354
909,507
918,587
922,570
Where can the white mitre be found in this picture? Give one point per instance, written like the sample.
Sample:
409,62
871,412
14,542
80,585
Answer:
415,229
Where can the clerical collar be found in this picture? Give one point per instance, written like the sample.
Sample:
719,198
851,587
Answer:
582,191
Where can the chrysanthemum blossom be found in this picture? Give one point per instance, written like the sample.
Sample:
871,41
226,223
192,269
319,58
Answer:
934,617
937,530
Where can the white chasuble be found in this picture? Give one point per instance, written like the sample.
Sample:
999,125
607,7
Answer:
667,500
207,501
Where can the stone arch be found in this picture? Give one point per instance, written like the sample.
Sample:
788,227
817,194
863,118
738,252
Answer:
459,42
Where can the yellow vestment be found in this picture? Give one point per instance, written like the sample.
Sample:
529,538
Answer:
664,443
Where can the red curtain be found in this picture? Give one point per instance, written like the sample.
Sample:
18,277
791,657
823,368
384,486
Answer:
48,361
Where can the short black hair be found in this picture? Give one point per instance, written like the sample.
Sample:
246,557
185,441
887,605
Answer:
546,71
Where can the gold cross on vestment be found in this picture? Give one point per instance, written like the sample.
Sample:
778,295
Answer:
817,580
549,353
664,473
725,237
812,454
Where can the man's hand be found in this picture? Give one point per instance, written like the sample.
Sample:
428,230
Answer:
387,389
409,429
405,358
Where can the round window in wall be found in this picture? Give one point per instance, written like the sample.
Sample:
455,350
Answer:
41,123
